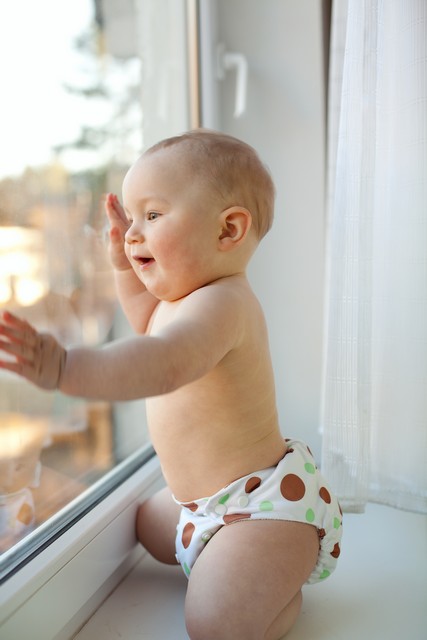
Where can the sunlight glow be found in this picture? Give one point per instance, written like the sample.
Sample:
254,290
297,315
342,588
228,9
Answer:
21,266
36,109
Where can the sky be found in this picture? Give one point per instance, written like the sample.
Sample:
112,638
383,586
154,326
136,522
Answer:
36,58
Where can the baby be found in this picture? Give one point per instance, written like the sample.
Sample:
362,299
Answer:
245,512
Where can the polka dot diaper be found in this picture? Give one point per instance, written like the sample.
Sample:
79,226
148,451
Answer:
292,490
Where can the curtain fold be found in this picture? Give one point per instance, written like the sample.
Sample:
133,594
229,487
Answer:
374,414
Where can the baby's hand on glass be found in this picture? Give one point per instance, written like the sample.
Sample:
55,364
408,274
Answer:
119,224
38,357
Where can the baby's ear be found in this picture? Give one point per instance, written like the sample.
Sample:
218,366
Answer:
235,225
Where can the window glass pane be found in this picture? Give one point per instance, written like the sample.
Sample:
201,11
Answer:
71,123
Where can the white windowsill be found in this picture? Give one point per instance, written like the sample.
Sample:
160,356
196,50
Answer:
378,591
56,592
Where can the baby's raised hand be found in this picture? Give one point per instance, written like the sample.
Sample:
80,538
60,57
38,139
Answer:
119,224
38,357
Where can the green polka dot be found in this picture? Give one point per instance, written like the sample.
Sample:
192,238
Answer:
310,468
224,499
325,574
337,523
310,516
266,505
186,569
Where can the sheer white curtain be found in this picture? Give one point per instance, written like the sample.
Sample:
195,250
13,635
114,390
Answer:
375,382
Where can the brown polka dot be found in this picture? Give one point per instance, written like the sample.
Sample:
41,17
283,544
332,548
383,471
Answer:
234,517
292,487
336,552
288,451
190,505
187,534
321,533
252,484
25,514
309,450
325,495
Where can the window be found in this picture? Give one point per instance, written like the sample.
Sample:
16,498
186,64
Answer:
85,87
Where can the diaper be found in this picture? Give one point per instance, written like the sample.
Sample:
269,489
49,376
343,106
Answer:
292,490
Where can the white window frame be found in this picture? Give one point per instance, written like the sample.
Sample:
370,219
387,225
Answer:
58,590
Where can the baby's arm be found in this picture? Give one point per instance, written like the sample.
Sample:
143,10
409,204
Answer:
138,367
137,303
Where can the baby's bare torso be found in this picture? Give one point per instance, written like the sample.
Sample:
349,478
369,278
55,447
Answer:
224,425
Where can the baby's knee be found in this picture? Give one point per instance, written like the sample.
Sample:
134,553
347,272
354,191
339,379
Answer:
206,627
286,619
208,621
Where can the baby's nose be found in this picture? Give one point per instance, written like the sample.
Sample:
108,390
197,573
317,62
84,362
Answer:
134,234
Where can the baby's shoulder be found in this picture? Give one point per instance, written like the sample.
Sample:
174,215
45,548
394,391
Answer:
233,301
234,289
225,303
230,297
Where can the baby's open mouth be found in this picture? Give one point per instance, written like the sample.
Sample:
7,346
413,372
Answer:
143,261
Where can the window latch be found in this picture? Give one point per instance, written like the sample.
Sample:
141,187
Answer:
228,60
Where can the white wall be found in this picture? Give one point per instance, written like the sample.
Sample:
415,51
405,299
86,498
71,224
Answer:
285,117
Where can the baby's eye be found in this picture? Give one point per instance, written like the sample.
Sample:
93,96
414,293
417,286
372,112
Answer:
152,215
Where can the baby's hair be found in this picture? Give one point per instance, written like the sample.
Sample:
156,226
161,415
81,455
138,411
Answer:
233,168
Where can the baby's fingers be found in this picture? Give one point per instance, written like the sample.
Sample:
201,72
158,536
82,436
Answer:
17,338
116,250
38,357
21,351
118,227
12,366
24,367
115,212
17,330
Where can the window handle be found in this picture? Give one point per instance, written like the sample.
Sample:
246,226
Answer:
227,60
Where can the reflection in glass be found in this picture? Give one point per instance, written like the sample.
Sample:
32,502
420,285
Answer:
21,442
71,125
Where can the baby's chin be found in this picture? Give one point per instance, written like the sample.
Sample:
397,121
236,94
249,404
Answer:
174,294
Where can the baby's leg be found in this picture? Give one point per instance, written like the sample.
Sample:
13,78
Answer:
156,523
247,581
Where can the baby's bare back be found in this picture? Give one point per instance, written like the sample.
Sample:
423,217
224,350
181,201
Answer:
223,425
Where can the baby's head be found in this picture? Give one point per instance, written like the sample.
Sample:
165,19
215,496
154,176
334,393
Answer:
198,205
232,171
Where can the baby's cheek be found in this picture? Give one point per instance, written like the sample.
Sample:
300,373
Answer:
168,244
127,250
